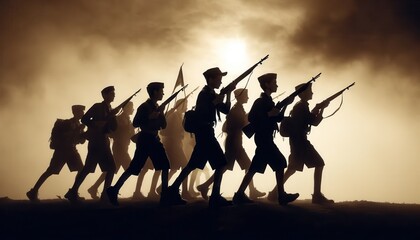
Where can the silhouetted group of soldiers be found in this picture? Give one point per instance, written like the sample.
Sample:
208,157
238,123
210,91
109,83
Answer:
169,154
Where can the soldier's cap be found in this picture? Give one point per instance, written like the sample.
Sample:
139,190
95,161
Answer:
77,108
107,90
303,84
240,91
267,77
213,72
155,85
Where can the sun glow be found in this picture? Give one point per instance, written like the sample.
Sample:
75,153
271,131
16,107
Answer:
233,52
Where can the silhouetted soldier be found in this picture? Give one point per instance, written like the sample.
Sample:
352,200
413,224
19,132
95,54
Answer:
207,147
302,152
264,116
66,134
100,121
236,119
121,141
150,119
172,137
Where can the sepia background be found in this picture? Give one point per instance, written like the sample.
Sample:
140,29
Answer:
54,54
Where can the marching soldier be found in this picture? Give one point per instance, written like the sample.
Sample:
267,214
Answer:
302,152
235,121
66,134
100,121
265,116
121,141
150,119
207,147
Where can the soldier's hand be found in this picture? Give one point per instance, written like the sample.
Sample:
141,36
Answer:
274,112
325,104
219,99
322,105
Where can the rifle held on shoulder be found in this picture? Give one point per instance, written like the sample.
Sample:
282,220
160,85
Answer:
167,101
116,110
298,91
183,100
328,100
232,85
249,130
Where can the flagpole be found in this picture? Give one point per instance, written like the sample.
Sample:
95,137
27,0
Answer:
179,81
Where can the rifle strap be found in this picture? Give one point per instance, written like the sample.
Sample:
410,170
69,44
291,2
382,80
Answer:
246,85
341,103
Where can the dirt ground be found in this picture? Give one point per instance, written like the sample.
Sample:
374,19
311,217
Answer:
58,219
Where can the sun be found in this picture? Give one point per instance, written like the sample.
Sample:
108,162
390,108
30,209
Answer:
233,52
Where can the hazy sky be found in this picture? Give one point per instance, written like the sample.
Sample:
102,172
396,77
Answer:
54,54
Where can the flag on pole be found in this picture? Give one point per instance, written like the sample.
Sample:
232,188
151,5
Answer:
179,80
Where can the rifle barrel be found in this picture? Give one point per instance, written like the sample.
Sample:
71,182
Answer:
338,93
281,104
242,76
169,99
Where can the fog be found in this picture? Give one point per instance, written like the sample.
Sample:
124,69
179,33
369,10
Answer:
54,54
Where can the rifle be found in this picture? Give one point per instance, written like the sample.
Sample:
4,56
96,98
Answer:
298,91
325,103
328,100
242,76
163,105
249,129
278,95
185,99
116,110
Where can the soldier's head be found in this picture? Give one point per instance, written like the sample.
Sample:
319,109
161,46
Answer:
307,94
129,108
108,94
268,82
241,95
213,77
155,90
78,111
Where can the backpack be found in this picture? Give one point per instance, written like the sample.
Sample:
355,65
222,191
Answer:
60,128
286,127
190,121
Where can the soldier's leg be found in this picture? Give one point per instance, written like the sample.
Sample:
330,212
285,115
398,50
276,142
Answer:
164,179
41,180
274,193
170,174
99,181
120,182
153,185
80,177
108,179
93,190
207,183
137,192
246,180
283,197
182,176
32,194
289,172
317,179
193,179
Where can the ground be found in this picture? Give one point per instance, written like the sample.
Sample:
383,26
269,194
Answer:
58,219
